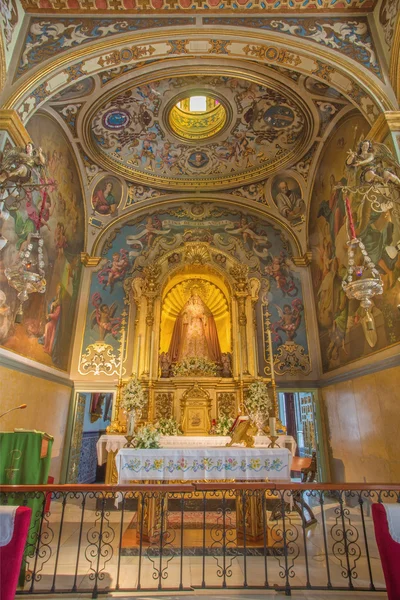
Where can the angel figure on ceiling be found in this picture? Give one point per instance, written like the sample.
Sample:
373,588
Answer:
373,160
17,164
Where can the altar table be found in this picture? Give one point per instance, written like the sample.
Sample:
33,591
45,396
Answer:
108,446
203,464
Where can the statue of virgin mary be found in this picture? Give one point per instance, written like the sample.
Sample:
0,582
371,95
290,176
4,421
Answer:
195,333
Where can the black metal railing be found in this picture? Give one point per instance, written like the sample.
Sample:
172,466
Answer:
97,539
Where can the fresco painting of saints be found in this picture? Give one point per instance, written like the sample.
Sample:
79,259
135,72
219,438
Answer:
45,333
339,320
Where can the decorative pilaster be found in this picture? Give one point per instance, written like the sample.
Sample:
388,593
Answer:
239,274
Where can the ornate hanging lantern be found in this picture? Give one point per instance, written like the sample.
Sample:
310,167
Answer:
28,276
22,173
376,181
363,280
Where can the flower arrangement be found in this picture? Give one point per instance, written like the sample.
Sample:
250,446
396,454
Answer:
223,425
168,427
257,399
195,365
147,437
133,397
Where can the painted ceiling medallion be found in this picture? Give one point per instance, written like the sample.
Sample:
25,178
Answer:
197,117
199,131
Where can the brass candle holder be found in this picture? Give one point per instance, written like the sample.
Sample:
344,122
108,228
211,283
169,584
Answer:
129,439
273,443
115,426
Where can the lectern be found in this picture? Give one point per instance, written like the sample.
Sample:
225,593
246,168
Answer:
25,460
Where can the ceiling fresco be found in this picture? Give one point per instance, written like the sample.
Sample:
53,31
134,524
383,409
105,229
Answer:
267,128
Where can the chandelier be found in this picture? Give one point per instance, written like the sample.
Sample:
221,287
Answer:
376,183
22,175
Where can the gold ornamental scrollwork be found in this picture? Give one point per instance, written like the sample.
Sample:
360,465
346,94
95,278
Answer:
197,253
99,358
164,403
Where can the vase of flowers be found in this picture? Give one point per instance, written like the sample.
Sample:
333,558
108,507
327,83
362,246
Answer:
258,404
133,400
130,422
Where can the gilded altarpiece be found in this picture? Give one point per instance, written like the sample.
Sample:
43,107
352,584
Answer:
226,264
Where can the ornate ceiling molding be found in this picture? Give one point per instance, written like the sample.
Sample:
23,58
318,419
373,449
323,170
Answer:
252,160
356,83
10,122
171,6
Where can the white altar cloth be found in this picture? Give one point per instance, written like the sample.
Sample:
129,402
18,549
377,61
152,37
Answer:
113,443
203,464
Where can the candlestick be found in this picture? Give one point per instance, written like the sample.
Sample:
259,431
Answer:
272,426
121,354
137,357
271,355
240,356
151,355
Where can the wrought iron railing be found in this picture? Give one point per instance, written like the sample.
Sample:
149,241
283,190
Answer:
98,539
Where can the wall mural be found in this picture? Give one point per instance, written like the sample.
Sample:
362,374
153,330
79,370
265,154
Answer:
45,335
9,20
339,323
265,130
350,37
249,240
106,196
47,37
388,15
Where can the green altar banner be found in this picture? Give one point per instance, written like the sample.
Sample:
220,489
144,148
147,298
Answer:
25,460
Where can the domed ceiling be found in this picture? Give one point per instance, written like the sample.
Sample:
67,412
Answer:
148,133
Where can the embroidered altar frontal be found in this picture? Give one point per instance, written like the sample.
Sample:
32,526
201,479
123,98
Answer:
203,464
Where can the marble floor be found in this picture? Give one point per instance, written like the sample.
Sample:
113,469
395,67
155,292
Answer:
65,564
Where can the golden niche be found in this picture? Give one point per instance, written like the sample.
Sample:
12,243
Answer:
197,117
195,300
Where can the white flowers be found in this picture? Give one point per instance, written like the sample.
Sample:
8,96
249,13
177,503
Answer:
133,397
168,427
195,365
257,399
223,425
147,437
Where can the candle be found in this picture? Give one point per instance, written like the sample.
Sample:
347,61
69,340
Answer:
151,355
271,355
122,354
272,426
255,355
240,356
137,357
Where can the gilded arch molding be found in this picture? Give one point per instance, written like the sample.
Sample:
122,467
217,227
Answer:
299,249
352,80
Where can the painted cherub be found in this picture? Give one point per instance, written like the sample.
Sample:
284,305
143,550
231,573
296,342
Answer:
103,317
290,319
279,270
